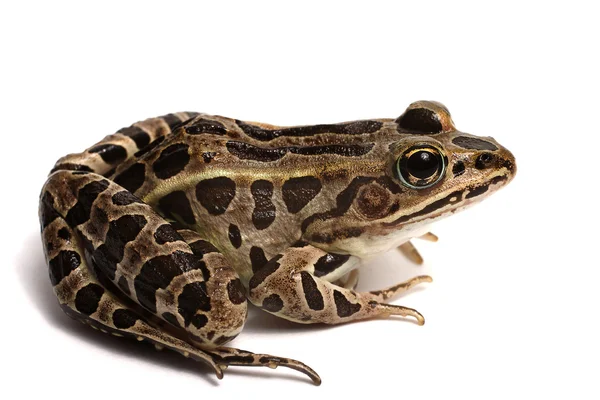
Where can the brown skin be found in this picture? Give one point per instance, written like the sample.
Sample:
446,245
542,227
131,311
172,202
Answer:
183,216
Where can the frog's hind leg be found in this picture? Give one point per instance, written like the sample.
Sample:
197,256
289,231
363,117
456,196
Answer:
231,356
120,267
142,256
84,298
116,152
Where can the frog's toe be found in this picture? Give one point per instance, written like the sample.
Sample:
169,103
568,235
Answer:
348,281
225,356
409,250
393,291
391,309
430,237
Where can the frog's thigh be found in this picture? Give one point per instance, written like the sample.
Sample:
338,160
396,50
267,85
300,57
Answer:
288,286
137,254
83,297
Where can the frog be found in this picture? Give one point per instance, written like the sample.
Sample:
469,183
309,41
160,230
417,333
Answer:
164,231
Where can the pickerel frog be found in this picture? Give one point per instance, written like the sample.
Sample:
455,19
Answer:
163,231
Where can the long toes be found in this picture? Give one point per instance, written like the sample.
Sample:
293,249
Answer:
201,356
226,356
274,362
410,252
409,312
430,237
417,280
388,310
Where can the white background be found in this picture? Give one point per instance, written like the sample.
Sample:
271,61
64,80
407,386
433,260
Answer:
514,307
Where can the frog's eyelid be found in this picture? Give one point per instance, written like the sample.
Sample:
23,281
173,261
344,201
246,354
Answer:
421,120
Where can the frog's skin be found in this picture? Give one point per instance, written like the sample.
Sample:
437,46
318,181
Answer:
164,230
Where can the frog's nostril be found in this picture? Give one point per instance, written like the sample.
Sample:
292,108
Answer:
484,160
510,165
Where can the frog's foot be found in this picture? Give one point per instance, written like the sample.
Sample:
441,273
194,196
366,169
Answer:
348,281
393,291
430,237
82,297
411,252
141,331
387,310
289,286
225,356
182,295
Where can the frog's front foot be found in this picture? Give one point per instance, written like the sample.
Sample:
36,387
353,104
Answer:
393,291
411,252
289,286
387,310
430,237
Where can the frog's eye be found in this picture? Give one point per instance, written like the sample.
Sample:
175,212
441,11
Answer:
420,167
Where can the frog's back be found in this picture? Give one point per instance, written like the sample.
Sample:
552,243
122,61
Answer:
248,187
253,189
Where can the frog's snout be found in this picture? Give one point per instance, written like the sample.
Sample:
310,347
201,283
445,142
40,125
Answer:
510,163
486,154
499,159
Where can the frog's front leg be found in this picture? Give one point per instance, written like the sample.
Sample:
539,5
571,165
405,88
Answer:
350,281
288,286
228,355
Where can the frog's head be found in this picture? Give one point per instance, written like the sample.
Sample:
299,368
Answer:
429,171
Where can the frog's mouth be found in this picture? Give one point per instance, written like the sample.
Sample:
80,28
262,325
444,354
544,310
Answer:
451,203
372,239
368,239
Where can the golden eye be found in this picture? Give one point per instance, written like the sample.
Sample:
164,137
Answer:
420,167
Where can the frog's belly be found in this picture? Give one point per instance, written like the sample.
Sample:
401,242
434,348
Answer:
256,248
373,245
